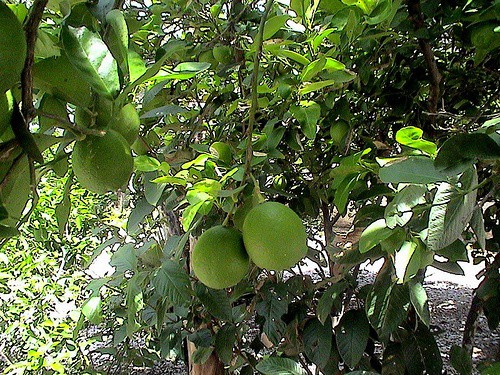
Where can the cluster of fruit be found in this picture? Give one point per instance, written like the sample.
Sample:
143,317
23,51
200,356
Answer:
273,237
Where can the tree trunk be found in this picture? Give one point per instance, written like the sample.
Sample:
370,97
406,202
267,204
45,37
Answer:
213,365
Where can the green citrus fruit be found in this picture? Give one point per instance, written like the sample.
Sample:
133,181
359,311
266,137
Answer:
274,236
127,123
208,57
221,151
223,54
219,258
12,48
103,111
102,164
338,131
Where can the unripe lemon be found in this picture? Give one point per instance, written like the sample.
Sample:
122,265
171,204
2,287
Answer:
223,54
102,164
127,123
338,131
274,236
219,258
12,48
221,151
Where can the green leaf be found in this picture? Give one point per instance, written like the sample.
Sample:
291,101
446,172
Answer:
146,163
465,149
63,208
398,211
139,212
477,225
403,259
92,309
315,86
170,180
450,267
461,360
421,352
420,302
272,308
451,211
170,49
7,232
411,136
192,66
58,77
387,303
323,63
455,252
224,342
135,304
279,366
216,302
325,303
124,259
117,38
373,234
88,53
172,281
318,341
307,115
166,110
273,25
413,170
352,335
292,55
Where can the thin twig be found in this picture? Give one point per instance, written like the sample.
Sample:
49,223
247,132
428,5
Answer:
255,81
66,124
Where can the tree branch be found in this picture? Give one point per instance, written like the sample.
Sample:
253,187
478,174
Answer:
31,31
435,77
255,81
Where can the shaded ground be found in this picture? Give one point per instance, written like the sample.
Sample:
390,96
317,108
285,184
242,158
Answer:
449,303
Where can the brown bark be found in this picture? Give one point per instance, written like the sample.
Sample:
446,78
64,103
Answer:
435,77
213,365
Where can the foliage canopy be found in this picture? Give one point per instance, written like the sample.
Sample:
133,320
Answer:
380,113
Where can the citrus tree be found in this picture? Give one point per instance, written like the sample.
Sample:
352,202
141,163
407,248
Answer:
241,136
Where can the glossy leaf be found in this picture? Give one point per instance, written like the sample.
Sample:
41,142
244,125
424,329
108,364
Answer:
461,360
279,366
451,211
307,114
411,136
273,25
88,53
420,302
375,233
387,303
318,341
414,170
171,281
352,335
465,149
